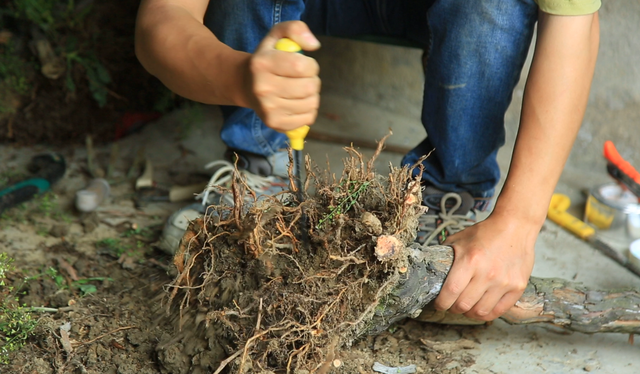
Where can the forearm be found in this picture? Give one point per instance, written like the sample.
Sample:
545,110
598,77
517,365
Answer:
554,103
173,44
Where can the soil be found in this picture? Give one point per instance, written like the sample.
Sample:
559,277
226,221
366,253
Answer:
102,289
49,112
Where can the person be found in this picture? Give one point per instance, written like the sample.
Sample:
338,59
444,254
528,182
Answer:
222,52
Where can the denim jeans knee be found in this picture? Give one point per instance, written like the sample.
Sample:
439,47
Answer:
476,50
476,53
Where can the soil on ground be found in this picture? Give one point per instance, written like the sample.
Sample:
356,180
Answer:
99,288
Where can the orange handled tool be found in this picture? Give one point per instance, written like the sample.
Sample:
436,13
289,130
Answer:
620,169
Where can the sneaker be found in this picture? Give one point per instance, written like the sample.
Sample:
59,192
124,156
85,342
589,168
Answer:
266,176
449,212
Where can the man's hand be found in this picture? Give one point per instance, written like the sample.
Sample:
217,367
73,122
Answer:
494,258
493,262
285,86
174,45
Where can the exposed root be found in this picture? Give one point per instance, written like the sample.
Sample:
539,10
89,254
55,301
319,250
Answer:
275,303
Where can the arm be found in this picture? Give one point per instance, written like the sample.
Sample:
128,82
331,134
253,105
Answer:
173,44
494,259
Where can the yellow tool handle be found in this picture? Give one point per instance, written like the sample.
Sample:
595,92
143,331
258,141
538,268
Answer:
296,136
558,213
287,45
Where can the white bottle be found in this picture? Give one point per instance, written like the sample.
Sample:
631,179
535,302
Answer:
89,198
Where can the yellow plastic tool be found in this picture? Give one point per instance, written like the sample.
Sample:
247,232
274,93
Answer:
296,140
296,137
558,213
287,45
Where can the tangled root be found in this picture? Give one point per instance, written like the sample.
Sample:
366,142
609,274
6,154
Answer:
279,285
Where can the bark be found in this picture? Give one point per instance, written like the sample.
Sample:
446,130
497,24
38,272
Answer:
553,301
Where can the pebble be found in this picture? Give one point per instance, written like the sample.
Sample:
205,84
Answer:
591,365
59,230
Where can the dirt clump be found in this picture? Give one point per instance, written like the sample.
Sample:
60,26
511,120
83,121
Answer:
102,322
264,295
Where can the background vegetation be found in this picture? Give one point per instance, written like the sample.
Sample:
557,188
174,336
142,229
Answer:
68,69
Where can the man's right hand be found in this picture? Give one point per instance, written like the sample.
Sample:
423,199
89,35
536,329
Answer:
284,87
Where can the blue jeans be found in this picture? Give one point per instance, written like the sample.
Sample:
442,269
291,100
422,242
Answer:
475,52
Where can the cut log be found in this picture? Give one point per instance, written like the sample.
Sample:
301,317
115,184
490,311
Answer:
569,305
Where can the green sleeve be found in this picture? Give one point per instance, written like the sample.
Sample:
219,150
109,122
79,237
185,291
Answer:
569,7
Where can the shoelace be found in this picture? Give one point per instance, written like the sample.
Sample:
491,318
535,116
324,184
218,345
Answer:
223,176
456,222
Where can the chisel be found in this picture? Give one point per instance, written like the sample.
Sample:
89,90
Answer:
296,140
296,136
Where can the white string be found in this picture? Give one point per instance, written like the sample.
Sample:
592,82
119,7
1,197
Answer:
456,222
223,176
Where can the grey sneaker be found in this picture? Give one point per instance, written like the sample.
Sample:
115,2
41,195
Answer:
266,176
449,212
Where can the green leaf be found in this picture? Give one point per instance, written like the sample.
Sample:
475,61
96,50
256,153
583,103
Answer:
59,279
87,288
103,74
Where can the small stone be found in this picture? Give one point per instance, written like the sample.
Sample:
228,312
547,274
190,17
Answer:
591,365
103,353
59,230
60,299
90,222
136,338
337,363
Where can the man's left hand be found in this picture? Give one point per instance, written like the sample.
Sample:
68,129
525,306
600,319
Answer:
492,264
